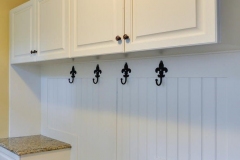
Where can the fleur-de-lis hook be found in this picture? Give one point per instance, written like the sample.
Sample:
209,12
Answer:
97,73
161,69
73,72
125,70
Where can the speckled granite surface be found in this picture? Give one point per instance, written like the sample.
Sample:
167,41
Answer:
32,144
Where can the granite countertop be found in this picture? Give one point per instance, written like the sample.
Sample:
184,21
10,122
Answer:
32,144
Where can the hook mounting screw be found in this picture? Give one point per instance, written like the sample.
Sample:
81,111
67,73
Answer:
125,70
97,73
72,72
161,69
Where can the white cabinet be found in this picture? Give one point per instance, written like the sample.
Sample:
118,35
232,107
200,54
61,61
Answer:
98,27
52,29
158,24
22,33
95,25
40,26
154,24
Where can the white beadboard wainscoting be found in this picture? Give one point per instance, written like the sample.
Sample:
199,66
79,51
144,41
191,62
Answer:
194,115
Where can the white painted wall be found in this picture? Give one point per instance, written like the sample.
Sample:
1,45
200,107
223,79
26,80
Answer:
25,100
194,115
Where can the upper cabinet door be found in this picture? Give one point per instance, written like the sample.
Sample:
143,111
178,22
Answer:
157,24
53,29
22,28
95,26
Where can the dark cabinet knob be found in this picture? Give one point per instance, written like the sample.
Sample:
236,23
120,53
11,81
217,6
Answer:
118,38
32,52
125,36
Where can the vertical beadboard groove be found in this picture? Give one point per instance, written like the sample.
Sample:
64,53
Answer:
117,110
183,118
146,119
98,109
189,118
222,144
147,112
119,121
201,118
129,125
128,120
167,117
215,98
156,123
138,122
177,118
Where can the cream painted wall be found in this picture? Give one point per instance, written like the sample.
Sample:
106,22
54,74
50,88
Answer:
5,7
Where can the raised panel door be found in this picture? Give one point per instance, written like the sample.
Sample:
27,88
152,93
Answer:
53,29
22,31
158,24
95,25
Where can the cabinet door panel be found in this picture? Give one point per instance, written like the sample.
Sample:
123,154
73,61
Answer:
164,24
163,19
95,26
53,29
22,33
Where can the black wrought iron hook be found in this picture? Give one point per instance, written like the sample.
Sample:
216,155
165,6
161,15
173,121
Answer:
97,73
73,72
161,69
125,70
